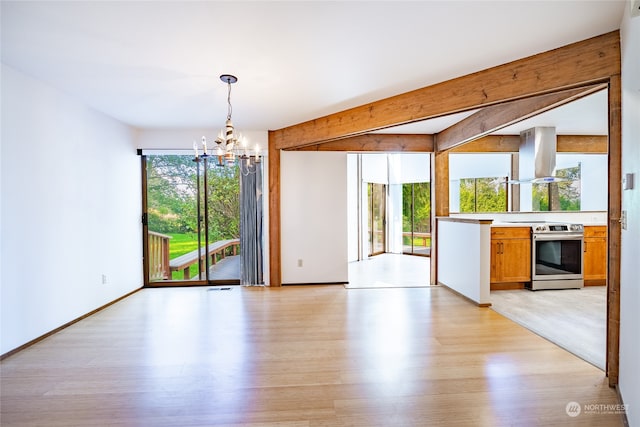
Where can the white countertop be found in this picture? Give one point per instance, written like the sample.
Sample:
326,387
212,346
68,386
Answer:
529,224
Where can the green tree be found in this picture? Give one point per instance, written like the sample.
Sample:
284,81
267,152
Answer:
568,191
416,208
422,207
483,195
224,202
172,191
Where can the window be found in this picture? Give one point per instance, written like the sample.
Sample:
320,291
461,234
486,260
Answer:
483,194
416,218
559,196
176,218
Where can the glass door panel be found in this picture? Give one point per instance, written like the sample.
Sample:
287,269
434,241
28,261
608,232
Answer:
422,218
407,218
172,218
416,218
192,216
223,223
377,218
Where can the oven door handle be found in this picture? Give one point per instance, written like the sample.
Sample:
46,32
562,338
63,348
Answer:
558,236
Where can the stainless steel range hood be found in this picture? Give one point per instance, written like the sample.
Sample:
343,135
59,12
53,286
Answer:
537,156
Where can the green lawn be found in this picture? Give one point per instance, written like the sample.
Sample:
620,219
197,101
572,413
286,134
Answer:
417,242
181,244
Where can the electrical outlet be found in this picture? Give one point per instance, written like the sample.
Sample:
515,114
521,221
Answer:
623,220
104,279
299,263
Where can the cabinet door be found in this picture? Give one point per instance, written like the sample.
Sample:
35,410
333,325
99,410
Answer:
595,258
516,260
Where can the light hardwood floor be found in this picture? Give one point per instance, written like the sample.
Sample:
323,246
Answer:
299,356
390,271
574,319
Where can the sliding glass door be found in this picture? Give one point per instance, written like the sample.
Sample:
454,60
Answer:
416,218
191,220
377,218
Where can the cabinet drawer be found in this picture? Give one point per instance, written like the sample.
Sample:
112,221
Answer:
510,233
595,231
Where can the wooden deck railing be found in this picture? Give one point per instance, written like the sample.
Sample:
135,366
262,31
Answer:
216,251
418,235
159,256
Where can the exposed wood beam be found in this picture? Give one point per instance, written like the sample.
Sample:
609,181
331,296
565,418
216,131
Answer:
439,203
377,142
614,231
491,144
590,144
275,255
575,65
496,117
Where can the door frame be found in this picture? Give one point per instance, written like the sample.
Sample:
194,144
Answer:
371,220
145,243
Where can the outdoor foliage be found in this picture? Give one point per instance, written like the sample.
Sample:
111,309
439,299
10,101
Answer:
566,193
416,212
172,197
416,206
483,195
490,195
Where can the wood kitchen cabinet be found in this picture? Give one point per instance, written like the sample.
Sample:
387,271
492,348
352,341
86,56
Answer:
595,255
510,257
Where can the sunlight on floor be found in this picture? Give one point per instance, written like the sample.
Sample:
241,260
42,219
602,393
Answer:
390,271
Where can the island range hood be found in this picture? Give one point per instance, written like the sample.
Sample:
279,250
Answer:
537,156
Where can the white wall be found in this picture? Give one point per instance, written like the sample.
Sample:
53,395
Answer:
71,209
314,217
464,252
629,384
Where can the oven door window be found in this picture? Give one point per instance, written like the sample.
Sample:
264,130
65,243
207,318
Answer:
558,257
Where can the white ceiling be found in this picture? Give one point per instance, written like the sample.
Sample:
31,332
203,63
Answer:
155,64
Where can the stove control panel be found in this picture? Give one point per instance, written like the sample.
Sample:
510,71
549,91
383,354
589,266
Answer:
557,228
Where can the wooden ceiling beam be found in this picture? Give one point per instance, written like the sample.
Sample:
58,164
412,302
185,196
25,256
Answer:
579,144
491,144
496,117
374,142
584,144
576,65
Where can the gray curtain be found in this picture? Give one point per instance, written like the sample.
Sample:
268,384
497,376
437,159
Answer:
251,272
